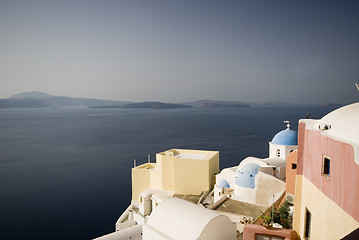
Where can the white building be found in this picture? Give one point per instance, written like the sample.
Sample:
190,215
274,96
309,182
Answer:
177,219
157,215
181,220
283,143
256,180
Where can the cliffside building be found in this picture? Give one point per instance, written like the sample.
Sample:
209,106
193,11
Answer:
179,171
257,180
326,193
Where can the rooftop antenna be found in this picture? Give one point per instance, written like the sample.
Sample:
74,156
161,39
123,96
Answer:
287,122
134,163
307,114
149,158
357,86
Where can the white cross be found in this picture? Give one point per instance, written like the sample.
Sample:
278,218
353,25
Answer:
288,125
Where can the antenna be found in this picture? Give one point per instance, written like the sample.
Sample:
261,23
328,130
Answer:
149,158
357,86
287,122
273,210
307,114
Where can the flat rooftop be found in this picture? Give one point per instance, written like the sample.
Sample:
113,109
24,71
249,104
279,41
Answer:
241,208
191,156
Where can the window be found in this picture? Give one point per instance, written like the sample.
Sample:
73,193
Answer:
294,166
278,152
308,219
326,166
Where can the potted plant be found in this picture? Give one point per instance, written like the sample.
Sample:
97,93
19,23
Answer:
267,220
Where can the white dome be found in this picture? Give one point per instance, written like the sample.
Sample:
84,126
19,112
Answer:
341,124
344,123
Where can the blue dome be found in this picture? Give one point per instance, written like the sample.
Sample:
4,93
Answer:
246,176
223,184
286,137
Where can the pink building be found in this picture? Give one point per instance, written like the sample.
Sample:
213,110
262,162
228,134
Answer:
327,193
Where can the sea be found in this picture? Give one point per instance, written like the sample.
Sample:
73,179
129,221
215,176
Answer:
66,173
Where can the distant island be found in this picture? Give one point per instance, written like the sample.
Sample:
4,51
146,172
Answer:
226,104
22,103
155,105
221,105
40,100
37,99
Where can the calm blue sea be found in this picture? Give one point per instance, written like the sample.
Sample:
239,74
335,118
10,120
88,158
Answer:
65,173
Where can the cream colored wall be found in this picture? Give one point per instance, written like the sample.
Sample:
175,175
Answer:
213,170
297,204
190,176
156,177
140,180
167,172
328,221
193,176
180,175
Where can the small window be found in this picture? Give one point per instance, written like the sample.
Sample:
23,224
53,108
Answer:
308,219
326,166
294,166
278,152
140,199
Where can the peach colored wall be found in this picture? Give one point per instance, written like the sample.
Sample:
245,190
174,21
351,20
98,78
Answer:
251,230
291,173
341,186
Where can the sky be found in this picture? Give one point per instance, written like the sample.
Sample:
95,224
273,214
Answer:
178,51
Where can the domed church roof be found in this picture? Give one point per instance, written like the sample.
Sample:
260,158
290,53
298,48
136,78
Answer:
223,184
246,175
286,137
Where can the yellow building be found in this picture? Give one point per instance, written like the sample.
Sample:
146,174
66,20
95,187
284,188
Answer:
177,170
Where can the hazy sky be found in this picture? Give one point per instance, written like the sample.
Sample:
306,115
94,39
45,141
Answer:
172,51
